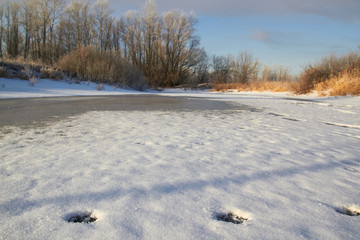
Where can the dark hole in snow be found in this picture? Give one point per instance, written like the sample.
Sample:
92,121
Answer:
81,217
348,211
230,217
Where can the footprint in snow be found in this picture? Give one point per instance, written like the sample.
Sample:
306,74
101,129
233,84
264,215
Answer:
350,210
81,217
230,217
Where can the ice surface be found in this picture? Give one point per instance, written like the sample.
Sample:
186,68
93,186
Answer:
166,174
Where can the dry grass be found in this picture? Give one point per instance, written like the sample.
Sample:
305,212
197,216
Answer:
3,72
21,61
347,83
331,76
25,69
260,86
51,73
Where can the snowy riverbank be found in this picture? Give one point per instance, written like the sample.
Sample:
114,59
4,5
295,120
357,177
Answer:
288,167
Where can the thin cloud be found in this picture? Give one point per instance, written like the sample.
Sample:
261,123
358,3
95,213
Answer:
275,37
261,36
337,9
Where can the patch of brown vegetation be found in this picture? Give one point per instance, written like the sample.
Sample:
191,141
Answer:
260,86
347,83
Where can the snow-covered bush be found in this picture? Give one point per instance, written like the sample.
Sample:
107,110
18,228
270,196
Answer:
33,80
31,76
100,86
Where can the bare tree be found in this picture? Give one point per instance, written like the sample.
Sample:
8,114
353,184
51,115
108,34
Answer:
65,36
245,68
201,70
30,21
102,22
221,69
164,47
12,16
77,24
50,11
151,39
283,73
56,10
181,46
26,22
141,34
116,36
2,27
276,73
38,19
130,30
32,25
266,73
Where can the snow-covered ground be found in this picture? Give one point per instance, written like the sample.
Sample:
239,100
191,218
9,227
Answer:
14,88
289,167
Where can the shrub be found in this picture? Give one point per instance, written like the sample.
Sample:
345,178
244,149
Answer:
21,61
2,72
18,68
328,68
51,73
32,81
104,67
28,72
347,83
100,87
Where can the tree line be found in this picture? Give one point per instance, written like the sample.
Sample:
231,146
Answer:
163,47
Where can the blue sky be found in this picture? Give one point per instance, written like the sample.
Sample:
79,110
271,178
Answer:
293,33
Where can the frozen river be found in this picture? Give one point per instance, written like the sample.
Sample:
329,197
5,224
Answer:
37,111
167,166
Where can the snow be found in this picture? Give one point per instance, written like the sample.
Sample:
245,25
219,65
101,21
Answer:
14,88
287,167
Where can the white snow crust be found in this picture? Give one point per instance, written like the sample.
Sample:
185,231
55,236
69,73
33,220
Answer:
15,88
287,167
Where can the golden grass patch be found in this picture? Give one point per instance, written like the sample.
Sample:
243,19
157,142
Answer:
347,83
260,86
